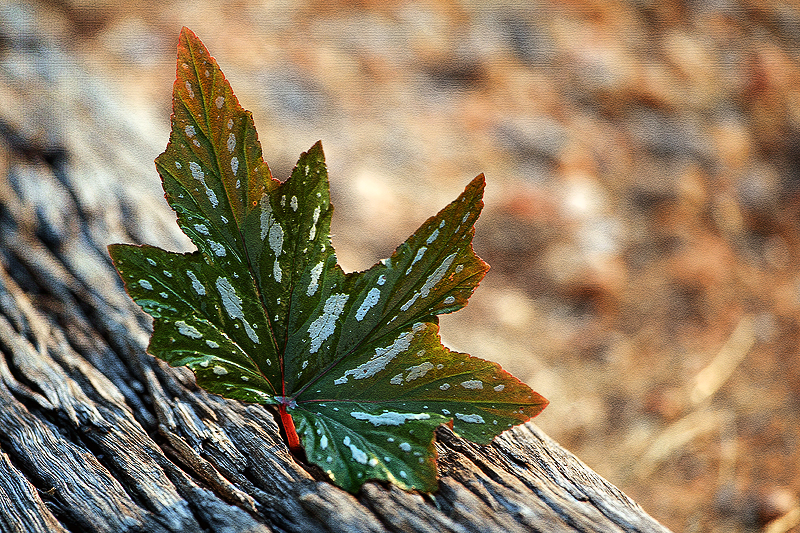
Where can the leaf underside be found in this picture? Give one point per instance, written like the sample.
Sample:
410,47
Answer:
262,312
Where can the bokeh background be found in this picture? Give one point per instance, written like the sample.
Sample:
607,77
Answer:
642,211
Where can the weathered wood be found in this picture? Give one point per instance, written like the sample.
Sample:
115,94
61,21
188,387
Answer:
96,435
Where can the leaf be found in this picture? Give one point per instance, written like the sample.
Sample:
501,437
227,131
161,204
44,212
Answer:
262,312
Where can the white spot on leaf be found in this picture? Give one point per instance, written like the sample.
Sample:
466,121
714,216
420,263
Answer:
196,285
233,305
406,447
276,238
231,142
315,218
314,283
369,301
323,443
235,166
189,89
389,418
432,236
472,384
417,257
187,330
382,357
219,370
499,388
274,232
293,203
212,344
474,419
143,283
444,386
199,175
358,454
217,248
324,326
219,101
409,303
189,130
201,228
437,276
418,371
277,273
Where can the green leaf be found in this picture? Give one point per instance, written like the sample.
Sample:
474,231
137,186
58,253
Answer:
262,312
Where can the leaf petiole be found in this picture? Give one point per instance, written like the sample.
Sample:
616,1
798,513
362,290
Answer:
292,440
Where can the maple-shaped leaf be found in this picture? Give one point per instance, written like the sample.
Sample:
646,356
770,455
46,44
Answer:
262,312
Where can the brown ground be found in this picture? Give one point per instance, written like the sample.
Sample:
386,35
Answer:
643,166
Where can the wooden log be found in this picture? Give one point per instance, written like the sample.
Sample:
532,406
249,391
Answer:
96,435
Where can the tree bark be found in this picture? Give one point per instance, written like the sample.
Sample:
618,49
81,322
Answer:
97,435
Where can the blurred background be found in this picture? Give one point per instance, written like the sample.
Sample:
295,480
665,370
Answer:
642,212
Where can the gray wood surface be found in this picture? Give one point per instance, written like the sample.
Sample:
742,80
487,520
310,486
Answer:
96,435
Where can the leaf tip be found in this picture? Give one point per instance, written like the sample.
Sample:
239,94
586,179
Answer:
477,186
187,34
